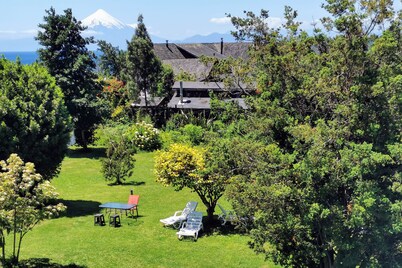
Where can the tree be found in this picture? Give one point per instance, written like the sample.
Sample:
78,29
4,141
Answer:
323,187
119,161
143,67
24,201
34,121
112,59
68,59
185,166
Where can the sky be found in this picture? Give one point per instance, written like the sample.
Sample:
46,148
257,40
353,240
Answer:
170,19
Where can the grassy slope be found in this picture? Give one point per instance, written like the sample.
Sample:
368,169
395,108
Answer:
138,243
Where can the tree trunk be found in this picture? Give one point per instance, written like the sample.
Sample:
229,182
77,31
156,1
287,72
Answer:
210,212
84,140
3,250
146,100
15,237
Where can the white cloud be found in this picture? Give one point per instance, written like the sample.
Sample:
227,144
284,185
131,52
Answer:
224,20
12,34
134,25
274,22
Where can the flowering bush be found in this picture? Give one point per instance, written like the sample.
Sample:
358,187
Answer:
24,201
145,137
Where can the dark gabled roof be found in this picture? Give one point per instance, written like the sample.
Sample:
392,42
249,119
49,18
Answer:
171,51
235,50
199,50
191,66
184,57
168,52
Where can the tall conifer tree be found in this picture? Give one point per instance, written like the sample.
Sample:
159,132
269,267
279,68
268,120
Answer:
143,67
68,59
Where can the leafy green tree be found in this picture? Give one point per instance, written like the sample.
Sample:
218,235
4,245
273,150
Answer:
118,164
323,182
143,69
166,81
34,121
24,202
185,166
68,59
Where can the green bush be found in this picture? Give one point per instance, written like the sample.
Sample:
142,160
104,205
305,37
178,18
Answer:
193,133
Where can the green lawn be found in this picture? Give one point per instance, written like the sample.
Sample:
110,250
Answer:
73,238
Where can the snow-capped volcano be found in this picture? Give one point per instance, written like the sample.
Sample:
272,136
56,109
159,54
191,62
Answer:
102,18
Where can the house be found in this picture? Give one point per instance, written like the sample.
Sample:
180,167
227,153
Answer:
196,95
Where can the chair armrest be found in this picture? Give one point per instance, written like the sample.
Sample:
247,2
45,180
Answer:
178,213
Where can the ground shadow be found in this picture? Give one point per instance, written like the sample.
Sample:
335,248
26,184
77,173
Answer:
78,208
43,263
132,183
91,152
215,227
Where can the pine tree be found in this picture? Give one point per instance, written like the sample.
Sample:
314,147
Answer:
68,59
143,67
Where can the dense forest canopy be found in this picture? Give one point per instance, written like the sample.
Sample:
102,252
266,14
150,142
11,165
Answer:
324,181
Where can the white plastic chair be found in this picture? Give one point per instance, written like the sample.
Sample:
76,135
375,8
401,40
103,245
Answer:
226,215
192,226
180,216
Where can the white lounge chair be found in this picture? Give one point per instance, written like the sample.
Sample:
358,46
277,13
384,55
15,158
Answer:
180,216
192,226
227,215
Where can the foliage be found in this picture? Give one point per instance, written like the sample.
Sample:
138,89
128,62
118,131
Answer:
34,121
119,160
194,134
24,201
144,136
179,120
189,134
166,81
66,56
235,73
115,94
321,184
185,76
143,68
185,166
112,59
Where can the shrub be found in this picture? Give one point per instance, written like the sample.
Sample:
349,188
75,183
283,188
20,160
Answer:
119,161
144,136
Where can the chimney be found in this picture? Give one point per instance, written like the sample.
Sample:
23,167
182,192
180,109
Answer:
181,91
221,45
167,43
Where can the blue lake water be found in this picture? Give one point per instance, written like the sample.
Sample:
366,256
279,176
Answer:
26,57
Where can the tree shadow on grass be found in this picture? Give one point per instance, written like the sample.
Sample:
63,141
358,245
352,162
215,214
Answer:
78,208
215,227
132,183
43,263
91,152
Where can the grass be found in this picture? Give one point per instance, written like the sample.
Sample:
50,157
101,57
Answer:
73,241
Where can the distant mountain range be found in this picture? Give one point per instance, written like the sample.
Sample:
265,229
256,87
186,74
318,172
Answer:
102,26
